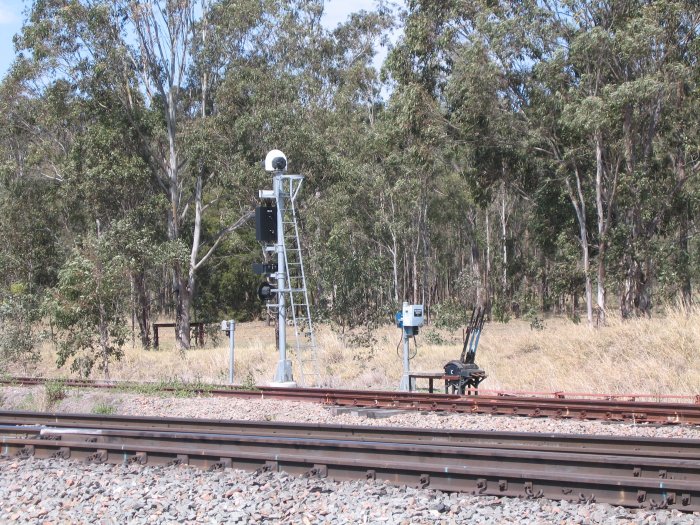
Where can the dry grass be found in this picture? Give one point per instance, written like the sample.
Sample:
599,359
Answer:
657,356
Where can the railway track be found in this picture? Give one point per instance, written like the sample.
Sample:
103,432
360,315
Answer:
633,472
627,408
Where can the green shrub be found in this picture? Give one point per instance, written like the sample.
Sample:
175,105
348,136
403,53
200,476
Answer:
537,324
19,335
55,391
104,409
500,313
450,315
249,382
173,387
433,337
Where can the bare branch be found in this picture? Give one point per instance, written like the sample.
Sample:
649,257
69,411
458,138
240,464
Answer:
223,233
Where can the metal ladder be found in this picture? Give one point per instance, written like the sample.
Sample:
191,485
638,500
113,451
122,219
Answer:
298,305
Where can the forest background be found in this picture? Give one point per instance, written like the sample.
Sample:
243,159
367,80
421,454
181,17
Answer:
530,157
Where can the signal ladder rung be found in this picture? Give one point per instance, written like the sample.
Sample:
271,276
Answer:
305,350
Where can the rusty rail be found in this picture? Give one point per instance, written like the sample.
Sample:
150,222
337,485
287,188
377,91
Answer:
25,421
557,404
640,473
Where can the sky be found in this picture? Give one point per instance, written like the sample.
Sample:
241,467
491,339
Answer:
10,23
11,16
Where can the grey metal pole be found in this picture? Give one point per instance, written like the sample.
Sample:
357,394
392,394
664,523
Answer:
284,372
231,328
405,381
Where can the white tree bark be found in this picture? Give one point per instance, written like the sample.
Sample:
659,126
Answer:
602,227
579,205
164,32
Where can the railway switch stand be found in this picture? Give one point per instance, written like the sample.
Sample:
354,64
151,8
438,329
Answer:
464,374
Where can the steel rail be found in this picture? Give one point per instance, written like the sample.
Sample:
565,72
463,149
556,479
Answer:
559,406
645,481
33,422
88,383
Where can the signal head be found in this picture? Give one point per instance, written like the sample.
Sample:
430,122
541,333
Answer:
275,161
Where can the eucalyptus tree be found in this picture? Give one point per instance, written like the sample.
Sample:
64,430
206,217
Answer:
160,64
30,222
619,68
656,91
415,136
87,305
466,140
316,93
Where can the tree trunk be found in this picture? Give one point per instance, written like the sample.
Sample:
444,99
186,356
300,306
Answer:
504,276
683,233
586,271
395,266
182,309
684,254
475,260
544,288
487,271
142,307
104,340
635,298
180,284
425,260
579,205
415,275
476,272
602,228
394,251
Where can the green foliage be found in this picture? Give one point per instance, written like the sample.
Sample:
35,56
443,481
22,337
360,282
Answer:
249,382
104,409
228,285
171,388
87,308
433,337
500,312
54,392
353,274
362,338
19,330
574,317
502,157
450,314
537,323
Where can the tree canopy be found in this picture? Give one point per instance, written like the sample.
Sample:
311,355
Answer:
524,156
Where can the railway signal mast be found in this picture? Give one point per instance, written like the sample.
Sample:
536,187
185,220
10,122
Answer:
277,226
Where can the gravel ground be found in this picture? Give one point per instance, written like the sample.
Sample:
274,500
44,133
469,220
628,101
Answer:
57,491
275,410
52,491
